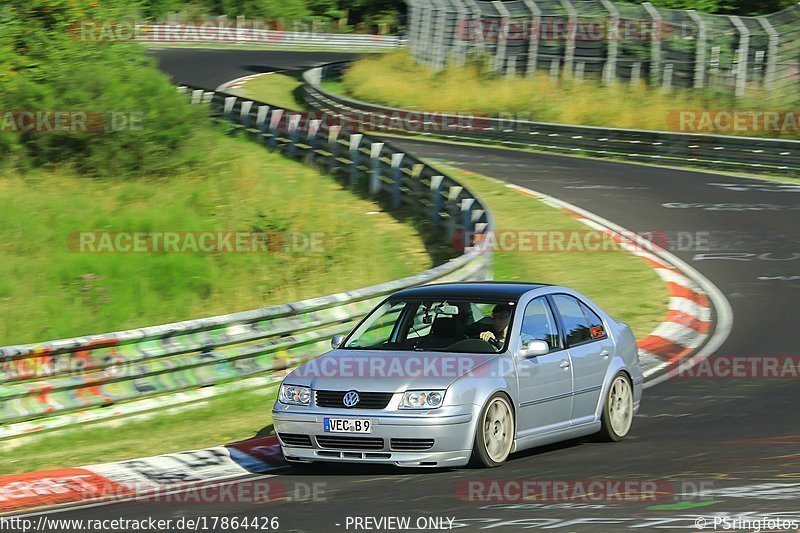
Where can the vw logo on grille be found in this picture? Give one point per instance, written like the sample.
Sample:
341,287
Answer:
350,399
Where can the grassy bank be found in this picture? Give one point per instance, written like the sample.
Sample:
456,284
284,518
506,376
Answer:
278,89
470,89
48,290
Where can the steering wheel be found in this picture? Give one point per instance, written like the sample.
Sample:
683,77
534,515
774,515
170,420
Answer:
473,345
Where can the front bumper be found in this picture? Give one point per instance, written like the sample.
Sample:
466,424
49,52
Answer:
450,430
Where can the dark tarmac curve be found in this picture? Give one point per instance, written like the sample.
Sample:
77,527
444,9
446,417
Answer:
729,433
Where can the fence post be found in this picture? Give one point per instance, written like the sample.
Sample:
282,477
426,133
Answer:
333,147
572,28
397,178
274,122
261,121
294,123
441,31
436,200
466,219
244,113
313,129
612,49
655,45
744,50
502,36
772,53
452,209
554,68
667,78
700,49
228,108
375,178
533,36
197,96
355,143
636,72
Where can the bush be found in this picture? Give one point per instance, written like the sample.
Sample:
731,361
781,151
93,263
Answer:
139,124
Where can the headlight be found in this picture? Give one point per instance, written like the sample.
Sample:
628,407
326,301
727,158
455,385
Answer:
295,395
422,399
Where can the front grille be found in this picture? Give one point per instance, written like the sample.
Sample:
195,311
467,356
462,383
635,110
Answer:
366,400
411,444
350,443
295,439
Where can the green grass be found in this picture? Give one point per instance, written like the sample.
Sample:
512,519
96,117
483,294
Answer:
227,418
470,89
48,291
278,89
641,300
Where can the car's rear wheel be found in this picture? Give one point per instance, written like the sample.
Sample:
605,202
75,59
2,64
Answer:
494,434
618,409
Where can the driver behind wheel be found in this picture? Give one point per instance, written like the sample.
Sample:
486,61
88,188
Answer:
493,330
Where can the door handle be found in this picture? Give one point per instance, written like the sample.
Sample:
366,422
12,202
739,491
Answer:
564,364
605,353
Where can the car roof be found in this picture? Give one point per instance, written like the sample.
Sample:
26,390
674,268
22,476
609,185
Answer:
479,290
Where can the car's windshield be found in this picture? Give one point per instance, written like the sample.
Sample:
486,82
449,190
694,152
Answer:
455,325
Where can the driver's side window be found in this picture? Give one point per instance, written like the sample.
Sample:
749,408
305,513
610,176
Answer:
538,324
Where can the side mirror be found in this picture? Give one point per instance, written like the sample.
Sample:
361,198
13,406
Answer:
336,341
534,348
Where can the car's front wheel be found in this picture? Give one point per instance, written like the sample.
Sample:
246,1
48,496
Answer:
618,409
494,434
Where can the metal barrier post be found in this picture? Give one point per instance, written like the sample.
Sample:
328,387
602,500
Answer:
244,113
397,178
294,134
261,121
228,108
274,122
355,153
436,200
375,177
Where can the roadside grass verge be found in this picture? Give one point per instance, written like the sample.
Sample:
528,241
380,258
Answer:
278,89
334,241
641,300
472,89
227,418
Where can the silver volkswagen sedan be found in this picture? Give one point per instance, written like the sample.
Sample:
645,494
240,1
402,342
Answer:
450,374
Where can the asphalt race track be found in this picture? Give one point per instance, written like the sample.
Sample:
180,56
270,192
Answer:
728,435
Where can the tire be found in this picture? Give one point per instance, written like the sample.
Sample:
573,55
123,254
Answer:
617,415
494,433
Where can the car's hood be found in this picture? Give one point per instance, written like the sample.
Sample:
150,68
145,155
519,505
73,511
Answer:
385,371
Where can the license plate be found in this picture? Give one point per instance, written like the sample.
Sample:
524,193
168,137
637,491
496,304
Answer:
346,425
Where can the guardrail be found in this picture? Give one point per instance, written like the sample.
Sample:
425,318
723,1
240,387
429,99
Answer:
237,35
44,382
716,152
